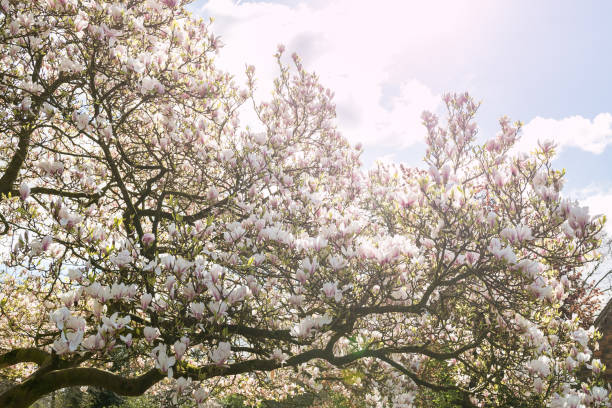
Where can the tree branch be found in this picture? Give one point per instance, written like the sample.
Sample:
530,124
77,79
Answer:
24,355
26,393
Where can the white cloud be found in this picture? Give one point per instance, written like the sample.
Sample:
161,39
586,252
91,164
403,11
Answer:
575,131
353,45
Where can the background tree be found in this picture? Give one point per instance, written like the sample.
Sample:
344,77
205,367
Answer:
147,234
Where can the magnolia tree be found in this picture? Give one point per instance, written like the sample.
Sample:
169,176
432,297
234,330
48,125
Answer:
150,242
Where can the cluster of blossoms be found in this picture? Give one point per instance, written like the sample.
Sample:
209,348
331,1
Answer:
144,225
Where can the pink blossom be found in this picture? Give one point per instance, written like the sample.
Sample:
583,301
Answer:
221,353
148,238
197,310
212,194
150,334
179,349
145,300
24,190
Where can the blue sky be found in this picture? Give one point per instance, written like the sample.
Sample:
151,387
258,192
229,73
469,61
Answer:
546,63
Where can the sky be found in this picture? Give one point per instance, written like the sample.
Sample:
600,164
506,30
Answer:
545,63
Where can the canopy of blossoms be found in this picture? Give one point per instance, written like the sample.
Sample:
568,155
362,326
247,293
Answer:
151,242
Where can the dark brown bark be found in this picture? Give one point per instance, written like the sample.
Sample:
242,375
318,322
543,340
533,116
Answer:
10,174
28,392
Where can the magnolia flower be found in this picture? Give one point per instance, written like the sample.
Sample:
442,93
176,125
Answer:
74,274
75,323
168,261
114,323
122,291
279,356
580,336
578,217
67,65
181,265
80,21
151,84
337,262
61,346
220,354
200,395
107,132
331,291
234,233
582,357
260,138
50,167
404,399
301,276
472,257
595,366
145,300
59,317
428,243
150,334
307,325
502,253
81,119
212,194
541,366
24,190
189,291
238,294
499,179
303,329
309,265
170,281
170,3
538,385
218,309
179,349
570,363
214,291
41,246
122,259
435,174
197,310
319,243
148,238
182,384
517,234
126,339
163,361
67,219
599,394
320,321
405,200
70,298
97,308
93,342
69,342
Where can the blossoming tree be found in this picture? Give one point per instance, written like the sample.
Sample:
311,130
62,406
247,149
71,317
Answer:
150,241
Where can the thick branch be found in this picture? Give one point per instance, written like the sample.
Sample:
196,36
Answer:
61,193
25,355
10,174
26,393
